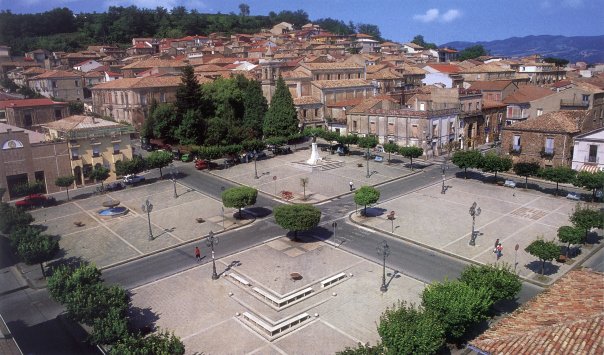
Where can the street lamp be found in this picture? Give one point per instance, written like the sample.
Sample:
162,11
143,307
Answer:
444,168
174,173
148,207
335,226
383,250
474,212
210,242
368,176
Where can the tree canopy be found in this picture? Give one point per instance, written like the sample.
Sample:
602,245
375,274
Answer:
493,163
419,40
500,282
544,251
559,175
411,152
570,235
365,196
590,181
472,52
526,169
281,118
465,159
239,197
297,217
64,181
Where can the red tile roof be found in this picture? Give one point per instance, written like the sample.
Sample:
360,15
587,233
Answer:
29,103
567,121
527,93
445,68
567,318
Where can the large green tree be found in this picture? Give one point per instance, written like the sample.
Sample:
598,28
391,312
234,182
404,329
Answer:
590,181
239,197
66,182
406,329
570,235
500,282
159,159
12,218
161,343
130,166
391,148
456,305
526,169
586,218
472,52
188,94
366,195
166,122
281,118
493,163
37,249
297,217
544,251
192,128
559,175
100,173
465,159
255,107
411,152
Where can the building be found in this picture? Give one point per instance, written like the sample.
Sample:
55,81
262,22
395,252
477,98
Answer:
32,113
496,90
128,100
521,104
547,139
588,151
26,157
446,75
59,84
566,318
92,142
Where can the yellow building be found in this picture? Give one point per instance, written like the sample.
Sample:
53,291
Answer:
92,142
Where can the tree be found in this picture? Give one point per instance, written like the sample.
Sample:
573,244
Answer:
419,40
526,169
590,181
493,163
363,349
409,330
149,124
166,122
109,328
585,218
559,62
154,344
371,30
29,188
366,195
239,197
255,107
12,218
159,159
188,94
99,173
244,10
390,148
297,217
500,282
544,251
65,181
132,166
570,235
76,108
456,305
192,128
472,52
37,248
465,159
558,174
65,280
303,183
411,152
281,118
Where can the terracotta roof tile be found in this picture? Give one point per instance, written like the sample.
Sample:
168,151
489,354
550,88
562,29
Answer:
496,85
155,62
567,318
29,103
79,122
57,74
527,93
486,68
331,66
567,121
445,68
348,83
306,100
143,82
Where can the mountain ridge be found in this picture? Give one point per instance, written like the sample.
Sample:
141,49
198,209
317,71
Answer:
588,49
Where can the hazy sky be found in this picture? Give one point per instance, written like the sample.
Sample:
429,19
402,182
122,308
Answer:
400,20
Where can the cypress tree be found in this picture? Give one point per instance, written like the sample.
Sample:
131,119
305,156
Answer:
255,107
281,118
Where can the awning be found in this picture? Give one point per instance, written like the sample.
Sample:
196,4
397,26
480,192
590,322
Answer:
590,168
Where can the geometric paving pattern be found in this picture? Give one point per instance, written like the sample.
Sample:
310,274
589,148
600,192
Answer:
529,213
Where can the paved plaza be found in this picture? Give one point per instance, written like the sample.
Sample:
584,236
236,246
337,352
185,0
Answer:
209,314
107,241
330,178
442,222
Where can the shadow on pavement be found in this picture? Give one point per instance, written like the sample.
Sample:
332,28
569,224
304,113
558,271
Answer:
142,319
548,269
258,212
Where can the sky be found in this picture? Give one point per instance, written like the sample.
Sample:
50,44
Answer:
439,21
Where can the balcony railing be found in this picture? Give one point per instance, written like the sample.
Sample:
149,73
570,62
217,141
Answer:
547,153
574,103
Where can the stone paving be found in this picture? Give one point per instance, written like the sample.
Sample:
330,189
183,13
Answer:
207,314
515,216
322,184
108,241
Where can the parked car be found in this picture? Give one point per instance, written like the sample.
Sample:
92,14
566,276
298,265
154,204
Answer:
282,150
186,157
341,149
573,196
35,200
378,158
133,179
149,147
201,164
379,148
261,155
114,186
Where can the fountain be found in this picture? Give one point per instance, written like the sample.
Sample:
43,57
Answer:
112,209
314,155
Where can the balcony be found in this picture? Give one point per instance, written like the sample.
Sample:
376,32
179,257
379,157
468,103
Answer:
547,153
574,104
515,149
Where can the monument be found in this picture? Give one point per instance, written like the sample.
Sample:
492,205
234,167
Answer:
314,155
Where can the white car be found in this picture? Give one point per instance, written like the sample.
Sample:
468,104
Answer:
133,179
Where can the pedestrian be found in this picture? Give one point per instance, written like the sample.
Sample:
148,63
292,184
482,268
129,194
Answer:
197,254
351,185
499,251
496,243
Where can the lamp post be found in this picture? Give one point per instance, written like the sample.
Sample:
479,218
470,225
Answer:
335,226
474,212
444,168
255,166
383,250
210,242
148,207
368,176
173,174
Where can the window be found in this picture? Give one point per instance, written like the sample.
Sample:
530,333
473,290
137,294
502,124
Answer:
422,106
143,99
593,153
95,151
77,83
162,97
304,113
585,98
372,127
354,126
391,131
469,106
539,111
58,113
54,84
75,154
116,148
316,112
414,131
499,117
516,143
27,120
549,145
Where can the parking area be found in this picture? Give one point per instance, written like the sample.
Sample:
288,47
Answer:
109,240
514,216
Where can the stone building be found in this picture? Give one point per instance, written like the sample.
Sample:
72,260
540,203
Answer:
59,84
26,156
32,113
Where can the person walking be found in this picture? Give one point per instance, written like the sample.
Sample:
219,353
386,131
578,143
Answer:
499,249
197,254
351,186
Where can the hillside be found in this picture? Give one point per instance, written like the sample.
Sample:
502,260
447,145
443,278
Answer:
588,49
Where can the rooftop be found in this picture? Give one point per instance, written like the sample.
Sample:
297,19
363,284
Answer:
29,103
34,137
139,83
79,122
527,93
328,84
567,121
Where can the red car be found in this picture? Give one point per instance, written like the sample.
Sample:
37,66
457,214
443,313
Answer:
201,164
35,200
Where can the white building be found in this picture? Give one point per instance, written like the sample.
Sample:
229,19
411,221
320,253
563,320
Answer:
588,151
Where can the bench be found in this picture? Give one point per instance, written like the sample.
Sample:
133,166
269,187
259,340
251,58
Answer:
272,330
239,279
333,279
509,183
285,300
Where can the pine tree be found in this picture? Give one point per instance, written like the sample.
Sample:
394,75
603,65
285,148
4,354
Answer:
188,94
255,107
281,118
